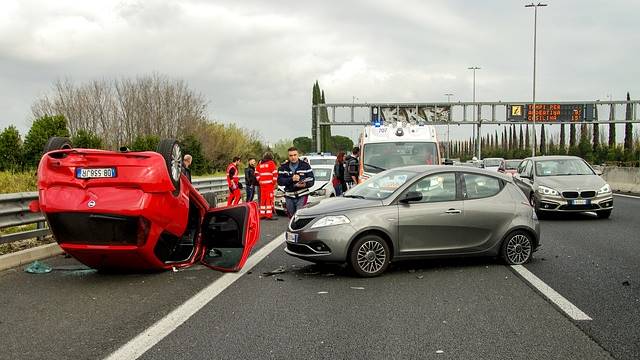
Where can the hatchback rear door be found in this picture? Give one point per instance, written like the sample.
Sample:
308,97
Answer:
228,236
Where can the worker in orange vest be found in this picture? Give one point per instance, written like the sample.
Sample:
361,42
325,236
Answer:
267,176
234,182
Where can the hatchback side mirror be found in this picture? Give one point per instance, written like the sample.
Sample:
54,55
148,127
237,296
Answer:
411,196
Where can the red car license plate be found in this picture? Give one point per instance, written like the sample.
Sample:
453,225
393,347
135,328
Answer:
90,173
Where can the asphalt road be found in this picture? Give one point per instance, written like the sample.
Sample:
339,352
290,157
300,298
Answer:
596,265
471,308
76,313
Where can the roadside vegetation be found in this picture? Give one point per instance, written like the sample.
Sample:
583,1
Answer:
13,182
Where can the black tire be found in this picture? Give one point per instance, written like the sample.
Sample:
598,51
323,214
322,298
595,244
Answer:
517,248
57,143
369,256
603,214
170,151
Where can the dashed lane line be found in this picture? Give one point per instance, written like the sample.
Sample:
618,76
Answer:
560,301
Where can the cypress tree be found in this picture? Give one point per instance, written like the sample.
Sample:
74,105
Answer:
596,132
612,130
628,130
314,115
521,141
563,140
526,137
543,149
572,135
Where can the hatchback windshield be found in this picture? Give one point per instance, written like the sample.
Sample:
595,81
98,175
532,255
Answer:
381,186
384,156
562,167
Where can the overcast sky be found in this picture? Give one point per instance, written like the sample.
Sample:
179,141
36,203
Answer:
256,61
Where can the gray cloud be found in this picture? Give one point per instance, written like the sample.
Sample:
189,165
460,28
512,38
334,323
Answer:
256,61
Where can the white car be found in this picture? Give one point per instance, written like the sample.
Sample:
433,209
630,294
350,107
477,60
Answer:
321,189
492,164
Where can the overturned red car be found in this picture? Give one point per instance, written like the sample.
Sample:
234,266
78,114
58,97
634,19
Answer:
136,211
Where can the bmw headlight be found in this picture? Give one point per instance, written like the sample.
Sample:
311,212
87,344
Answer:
330,221
547,191
605,189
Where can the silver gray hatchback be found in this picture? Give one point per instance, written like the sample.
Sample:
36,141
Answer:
417,212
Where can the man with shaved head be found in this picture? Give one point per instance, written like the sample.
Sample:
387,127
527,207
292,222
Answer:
186,162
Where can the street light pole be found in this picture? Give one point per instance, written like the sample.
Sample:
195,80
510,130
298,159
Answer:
448,139
476,149
535,31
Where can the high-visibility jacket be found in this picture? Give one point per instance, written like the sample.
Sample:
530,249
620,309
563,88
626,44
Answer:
232,176
267,173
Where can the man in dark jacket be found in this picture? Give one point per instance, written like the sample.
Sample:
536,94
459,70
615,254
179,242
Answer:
250,179
352,168
186,163
297,177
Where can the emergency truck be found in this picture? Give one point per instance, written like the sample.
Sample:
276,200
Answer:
390,145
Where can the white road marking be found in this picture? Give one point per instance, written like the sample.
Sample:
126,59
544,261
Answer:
627,196
165,326
565,305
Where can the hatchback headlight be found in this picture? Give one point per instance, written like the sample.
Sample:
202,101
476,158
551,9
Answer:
547,191
605,189
330,221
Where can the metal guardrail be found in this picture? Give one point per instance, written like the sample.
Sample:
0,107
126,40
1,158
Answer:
14,208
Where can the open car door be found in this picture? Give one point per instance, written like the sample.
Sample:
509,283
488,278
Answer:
228,235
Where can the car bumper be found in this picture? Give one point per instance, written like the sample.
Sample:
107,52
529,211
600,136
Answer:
561,204
326,244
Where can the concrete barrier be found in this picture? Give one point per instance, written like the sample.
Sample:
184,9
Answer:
623,179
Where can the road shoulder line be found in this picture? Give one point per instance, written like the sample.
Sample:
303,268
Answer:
137,346
627,196
560,301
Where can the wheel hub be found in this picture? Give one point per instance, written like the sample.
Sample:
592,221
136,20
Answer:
370,256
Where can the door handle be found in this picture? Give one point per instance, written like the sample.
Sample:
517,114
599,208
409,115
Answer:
453,211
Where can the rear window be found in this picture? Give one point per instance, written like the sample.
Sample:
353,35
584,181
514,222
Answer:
481,186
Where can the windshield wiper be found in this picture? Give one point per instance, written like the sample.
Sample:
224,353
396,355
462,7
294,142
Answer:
375,167
354,196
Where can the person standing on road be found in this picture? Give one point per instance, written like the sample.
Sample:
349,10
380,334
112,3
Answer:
352,168
338,181
234,182
267,177
186,163
297,177
250,179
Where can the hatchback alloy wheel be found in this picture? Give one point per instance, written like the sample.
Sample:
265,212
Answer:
370,256
517,248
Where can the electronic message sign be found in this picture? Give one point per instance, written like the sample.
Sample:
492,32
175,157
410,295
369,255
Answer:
551,112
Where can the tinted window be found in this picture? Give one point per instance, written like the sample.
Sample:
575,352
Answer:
435,188
481,186
492,162
512,164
